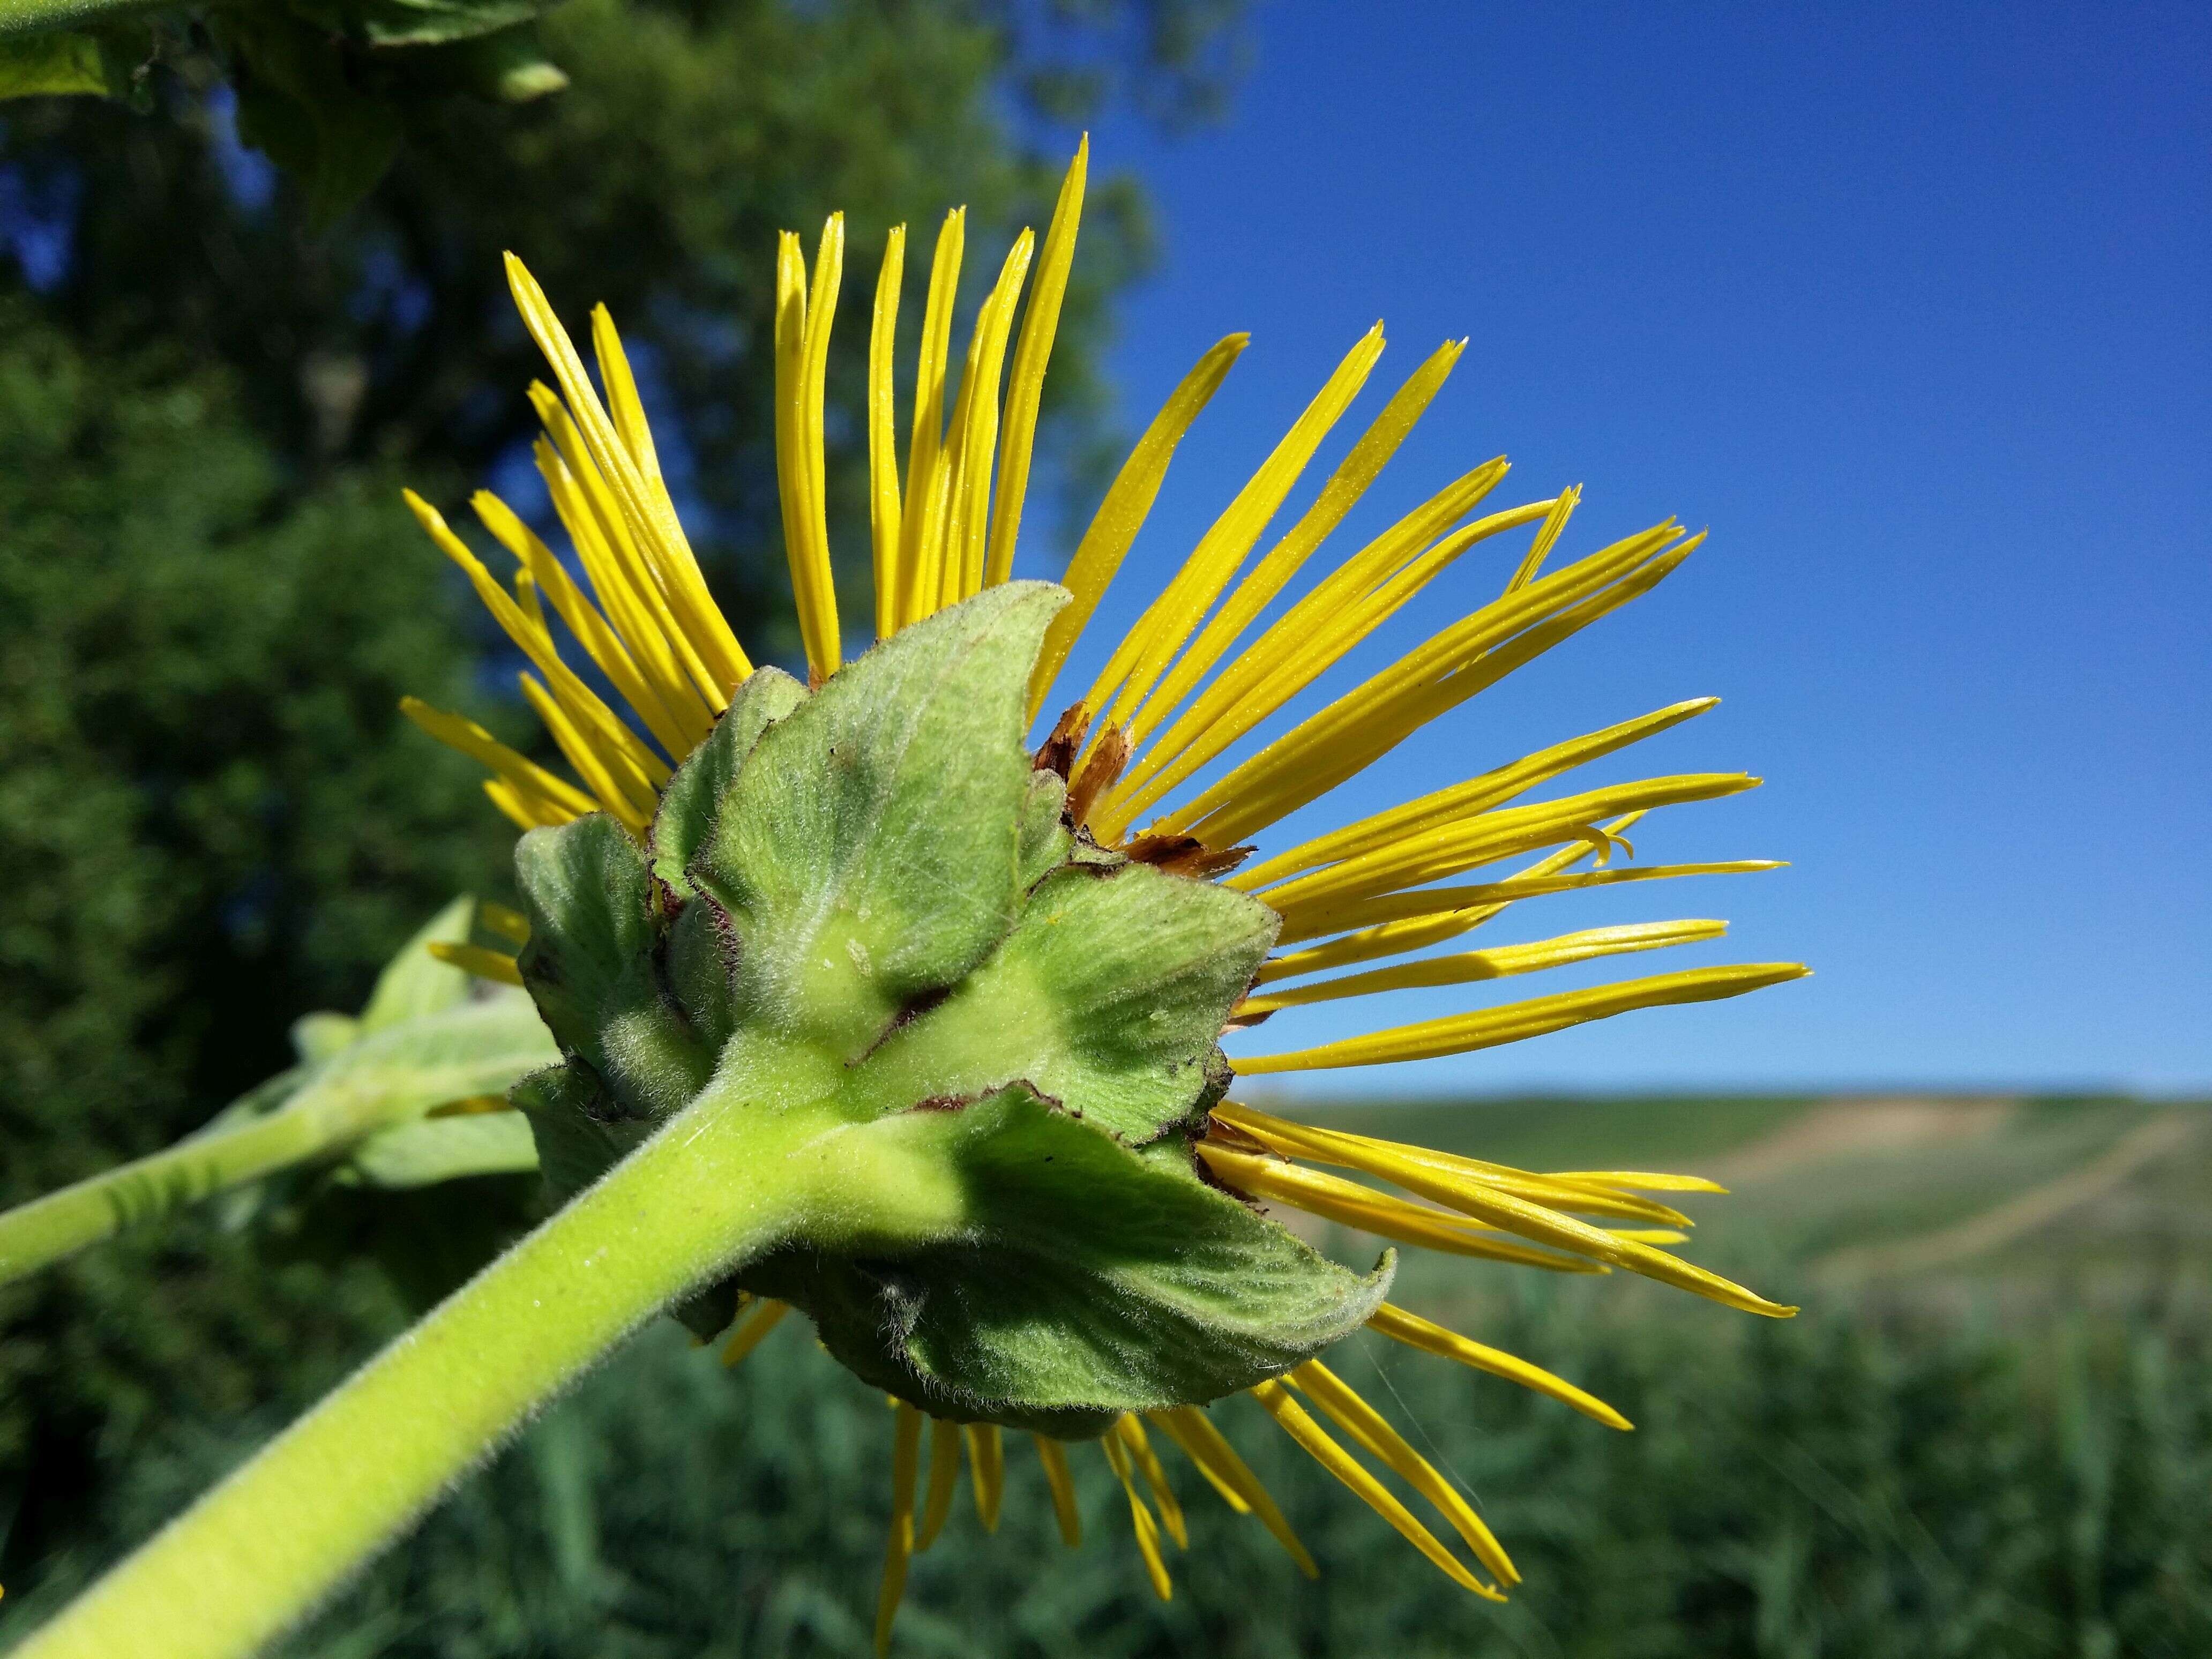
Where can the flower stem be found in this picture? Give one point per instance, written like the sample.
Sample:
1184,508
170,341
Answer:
34,1234
720,1183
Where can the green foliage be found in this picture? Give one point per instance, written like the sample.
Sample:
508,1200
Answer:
1829,1487
657,184
323,86
217,821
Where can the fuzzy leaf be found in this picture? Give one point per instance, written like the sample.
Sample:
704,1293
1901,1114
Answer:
866,852
687,805
1092,1280
1108,996
404,1070
1045,839
434,1148
591,964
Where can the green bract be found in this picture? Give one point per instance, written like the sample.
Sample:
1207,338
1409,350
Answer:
860,913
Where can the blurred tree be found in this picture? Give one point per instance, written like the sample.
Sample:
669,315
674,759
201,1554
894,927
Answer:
210,598
655,182
215,820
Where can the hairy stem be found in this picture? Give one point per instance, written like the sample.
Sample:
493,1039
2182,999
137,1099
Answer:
719,1184
35,1235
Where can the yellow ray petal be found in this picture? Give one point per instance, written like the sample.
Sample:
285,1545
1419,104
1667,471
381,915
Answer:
634,600
606,733
1370,588
1039,324
1374,1434
1479,794
1350,1205
530,781
802,354
1437,901
1453,847
507,924
650,519
678,735
1148,1531
1516,1022
1652,1180
1359,1152
1358,469
920,549
1497,963
1156,1477
626,406
976,441
1476,1190
1417,933
764,1316
943,1476
1315,1442
884,503
1374,1156
493,965
1151,645
1193,1430
1384,1157
1546,539
1418,1333
623,793
987,1463
898,1551
1229,1494
526,813
1121,514
1369,722
1054,1456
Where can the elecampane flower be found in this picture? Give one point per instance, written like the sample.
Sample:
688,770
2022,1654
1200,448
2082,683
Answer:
1145,889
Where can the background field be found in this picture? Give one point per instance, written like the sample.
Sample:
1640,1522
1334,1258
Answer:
2008,1210
1988,1433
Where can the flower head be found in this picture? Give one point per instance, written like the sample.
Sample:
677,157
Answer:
995,979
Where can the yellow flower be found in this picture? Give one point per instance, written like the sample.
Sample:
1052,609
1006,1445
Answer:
1142,752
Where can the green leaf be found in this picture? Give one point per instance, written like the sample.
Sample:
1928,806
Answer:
414,981
41,65
1108,996
866,853
415,23
592,965
1090,1279
298,104
686,814
578,1136
1045,840
477,1048
316,1036
435,1149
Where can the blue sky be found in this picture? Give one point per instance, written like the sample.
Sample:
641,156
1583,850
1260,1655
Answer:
1911,307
